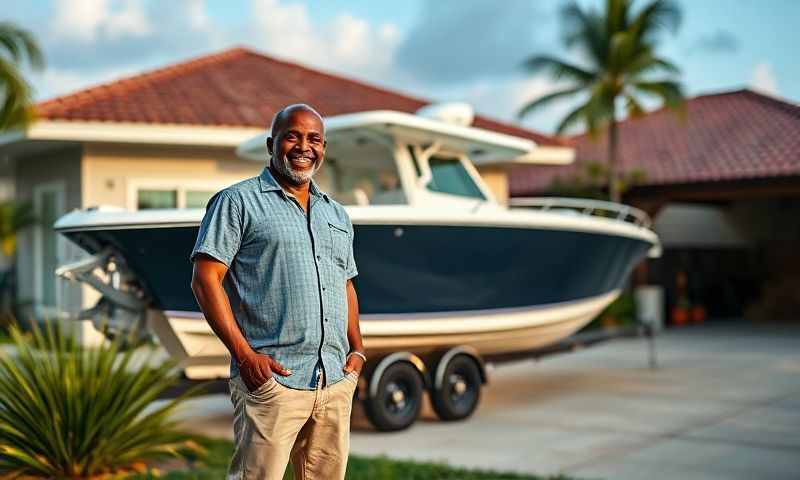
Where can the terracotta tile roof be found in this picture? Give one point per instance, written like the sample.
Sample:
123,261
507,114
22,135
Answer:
236,87
724,136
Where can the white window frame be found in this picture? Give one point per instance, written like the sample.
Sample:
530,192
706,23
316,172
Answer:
59,187
424,194
180,186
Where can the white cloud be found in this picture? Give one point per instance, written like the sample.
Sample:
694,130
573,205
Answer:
128,20
196,14
93,41
763,79
503,97
79,19
54,82
348,43
85,20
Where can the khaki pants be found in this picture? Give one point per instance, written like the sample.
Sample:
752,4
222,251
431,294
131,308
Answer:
275,424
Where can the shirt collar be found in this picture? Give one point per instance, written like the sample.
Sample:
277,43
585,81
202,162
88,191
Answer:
268,184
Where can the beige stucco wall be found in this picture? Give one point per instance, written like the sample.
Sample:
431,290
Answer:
111,173
496,179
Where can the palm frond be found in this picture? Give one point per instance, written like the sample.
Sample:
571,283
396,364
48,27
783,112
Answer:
20,45
15,110
559,69
585,30
616,16
632,106
572,119
624,48
545,100
646,63
602,103
656,16
669,92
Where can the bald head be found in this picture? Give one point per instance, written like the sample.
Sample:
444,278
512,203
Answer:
281,118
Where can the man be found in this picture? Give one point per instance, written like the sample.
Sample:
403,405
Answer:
273,269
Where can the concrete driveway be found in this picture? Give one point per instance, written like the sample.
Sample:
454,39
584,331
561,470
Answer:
724,404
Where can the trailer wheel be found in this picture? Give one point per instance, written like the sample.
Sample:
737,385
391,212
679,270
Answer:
398,399
460,390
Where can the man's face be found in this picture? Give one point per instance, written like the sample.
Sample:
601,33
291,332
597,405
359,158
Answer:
298,146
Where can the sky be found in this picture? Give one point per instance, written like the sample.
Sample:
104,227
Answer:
442,50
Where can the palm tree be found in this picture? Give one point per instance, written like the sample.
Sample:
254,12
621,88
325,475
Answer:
618,46
16,47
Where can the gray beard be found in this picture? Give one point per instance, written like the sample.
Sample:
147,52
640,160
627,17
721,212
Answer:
284,166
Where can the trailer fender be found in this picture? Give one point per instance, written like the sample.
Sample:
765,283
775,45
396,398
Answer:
441,365
408,357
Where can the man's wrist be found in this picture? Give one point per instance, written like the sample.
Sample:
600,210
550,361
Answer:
359,353
244,357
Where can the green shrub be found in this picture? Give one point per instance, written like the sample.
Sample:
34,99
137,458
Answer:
621,312
67,411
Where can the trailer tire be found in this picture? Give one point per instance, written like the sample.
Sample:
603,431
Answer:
460,391
398,399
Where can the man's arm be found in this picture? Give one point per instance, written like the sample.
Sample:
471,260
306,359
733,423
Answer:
354,362
207,277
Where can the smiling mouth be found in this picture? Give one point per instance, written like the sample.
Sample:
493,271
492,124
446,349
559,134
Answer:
302,162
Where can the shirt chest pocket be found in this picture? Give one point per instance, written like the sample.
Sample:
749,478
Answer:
340,244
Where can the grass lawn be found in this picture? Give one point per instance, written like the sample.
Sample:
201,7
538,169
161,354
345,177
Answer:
215,465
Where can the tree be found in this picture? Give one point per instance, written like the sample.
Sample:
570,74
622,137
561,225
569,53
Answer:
17,46
620,69
588,181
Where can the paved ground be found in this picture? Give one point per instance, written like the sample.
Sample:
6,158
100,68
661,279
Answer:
724,404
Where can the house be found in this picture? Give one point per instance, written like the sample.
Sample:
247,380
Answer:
167,139
723,184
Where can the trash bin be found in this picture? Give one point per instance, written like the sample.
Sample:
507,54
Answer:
650,305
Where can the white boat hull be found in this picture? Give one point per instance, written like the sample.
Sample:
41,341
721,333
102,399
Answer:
189,339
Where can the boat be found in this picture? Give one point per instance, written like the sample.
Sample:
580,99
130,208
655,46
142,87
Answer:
441,263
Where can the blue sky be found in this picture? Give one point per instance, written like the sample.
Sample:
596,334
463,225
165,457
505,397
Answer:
446,50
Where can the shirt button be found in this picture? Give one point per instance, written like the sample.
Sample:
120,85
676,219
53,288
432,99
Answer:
319,258
326,320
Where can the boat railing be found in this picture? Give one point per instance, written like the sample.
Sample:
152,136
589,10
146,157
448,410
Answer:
586,206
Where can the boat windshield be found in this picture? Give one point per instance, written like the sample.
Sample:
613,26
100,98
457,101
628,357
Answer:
365,175
448,175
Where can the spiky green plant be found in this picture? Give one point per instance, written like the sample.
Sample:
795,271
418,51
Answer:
68,411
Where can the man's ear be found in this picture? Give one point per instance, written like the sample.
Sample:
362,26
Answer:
269,145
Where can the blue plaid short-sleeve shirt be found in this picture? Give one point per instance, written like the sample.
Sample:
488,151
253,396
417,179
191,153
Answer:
287,274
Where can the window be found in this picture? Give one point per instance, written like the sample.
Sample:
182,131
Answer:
198,198
365,174
147,199
450,176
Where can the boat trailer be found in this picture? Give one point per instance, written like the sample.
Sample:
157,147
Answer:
391,387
